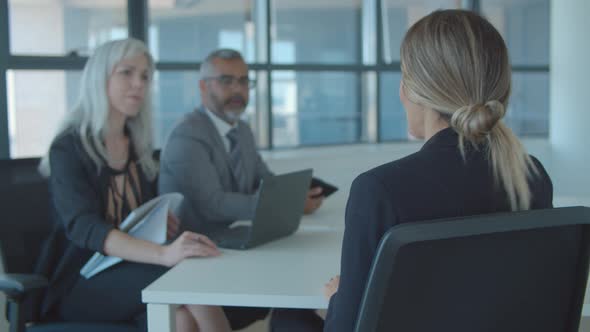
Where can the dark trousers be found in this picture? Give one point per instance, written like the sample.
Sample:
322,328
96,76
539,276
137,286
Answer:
113,295
295,320
241,317
282,320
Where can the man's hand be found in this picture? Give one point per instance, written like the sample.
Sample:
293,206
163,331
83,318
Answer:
314,200
331,287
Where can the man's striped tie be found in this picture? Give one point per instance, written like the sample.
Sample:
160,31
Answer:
236,161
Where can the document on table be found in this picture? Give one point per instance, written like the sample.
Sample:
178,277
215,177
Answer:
147,222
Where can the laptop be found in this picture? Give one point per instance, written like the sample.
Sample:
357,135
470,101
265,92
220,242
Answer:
281,200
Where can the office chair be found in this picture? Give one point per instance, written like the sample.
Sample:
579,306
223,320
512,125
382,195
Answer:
24,226
521,271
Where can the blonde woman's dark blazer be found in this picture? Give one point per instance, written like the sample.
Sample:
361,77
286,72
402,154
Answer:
432,183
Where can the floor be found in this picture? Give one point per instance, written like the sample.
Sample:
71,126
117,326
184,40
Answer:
261,326
258,327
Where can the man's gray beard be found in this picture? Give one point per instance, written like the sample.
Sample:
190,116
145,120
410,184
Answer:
233,115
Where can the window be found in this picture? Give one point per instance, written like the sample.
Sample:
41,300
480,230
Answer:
32,122
311,108
524,26
176,93
323,74
186,31
399,15
528,110
392,121
58,27
324,31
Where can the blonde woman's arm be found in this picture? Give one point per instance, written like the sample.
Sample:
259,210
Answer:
188,244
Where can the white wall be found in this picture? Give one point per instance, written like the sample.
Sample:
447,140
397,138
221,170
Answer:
569,95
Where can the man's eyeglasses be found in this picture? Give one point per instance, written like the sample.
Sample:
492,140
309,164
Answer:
227,81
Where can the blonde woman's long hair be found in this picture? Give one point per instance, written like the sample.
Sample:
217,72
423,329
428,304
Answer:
89,117
456,63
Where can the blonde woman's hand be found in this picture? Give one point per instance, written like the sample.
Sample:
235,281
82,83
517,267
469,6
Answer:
188,244
331,287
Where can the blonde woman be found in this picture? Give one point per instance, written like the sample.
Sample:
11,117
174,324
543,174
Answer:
455,90
100,168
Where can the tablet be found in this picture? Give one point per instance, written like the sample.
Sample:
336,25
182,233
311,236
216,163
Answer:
327,189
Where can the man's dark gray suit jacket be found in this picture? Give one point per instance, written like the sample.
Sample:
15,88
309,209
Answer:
195,163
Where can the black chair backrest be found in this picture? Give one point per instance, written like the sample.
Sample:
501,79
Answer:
521,271
24,223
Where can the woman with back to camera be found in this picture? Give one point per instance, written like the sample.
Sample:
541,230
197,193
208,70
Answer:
100,168
455,89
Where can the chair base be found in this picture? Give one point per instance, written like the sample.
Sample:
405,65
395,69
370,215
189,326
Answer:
76,327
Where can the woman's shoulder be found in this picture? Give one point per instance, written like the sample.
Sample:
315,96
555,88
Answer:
67,147
66,139
539,170
387,178
541,185
398,169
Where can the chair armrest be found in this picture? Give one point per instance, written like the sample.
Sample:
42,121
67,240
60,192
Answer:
20,284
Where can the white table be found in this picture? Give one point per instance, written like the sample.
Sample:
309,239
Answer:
287,273
565,200
330,216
